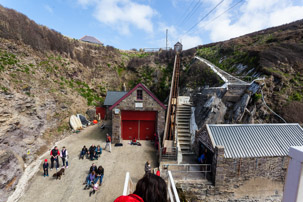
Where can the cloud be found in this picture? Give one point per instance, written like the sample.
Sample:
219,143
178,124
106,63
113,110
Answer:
49,9
121,14
190,41
251,16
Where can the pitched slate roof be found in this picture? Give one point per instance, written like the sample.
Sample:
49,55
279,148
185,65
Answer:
113,96
255,140
90,39
145,89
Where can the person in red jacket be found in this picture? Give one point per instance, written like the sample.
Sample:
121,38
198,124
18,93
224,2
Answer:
151,188
55,153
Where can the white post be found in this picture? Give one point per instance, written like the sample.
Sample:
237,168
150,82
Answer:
125,190
172,183
294,181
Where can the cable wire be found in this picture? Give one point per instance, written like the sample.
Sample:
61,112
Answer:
185,13
270,108
190,14
224,12
204,17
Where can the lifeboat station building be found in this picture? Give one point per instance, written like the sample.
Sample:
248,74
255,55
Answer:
137,114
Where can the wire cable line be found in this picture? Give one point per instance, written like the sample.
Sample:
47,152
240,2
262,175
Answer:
224,12
190,14
186,12
203,17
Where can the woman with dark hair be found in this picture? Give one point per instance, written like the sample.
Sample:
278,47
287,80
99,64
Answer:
151,188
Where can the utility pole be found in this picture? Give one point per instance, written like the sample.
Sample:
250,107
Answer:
166,39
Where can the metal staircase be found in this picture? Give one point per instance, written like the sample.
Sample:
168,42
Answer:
183,127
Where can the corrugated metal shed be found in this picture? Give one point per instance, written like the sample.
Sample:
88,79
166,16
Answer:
113,96
255,140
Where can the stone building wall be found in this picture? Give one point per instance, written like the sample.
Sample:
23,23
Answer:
235,171
234,180
149,104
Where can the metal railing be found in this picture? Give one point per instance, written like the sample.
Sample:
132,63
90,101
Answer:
128,185
172,194
187,171
168,153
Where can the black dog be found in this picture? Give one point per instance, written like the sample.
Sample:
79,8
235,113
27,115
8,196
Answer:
58,174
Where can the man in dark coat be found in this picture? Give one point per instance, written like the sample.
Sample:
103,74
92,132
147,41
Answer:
55,153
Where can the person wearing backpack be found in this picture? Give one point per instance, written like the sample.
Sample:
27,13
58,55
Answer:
108,143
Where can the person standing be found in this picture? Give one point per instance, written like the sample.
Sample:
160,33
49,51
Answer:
54,157
64,156
45,168
108,143
147,167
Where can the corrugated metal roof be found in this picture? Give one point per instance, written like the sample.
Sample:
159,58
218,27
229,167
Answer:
113,96
255,140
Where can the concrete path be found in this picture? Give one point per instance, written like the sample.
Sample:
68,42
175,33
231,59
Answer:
226,77
116,164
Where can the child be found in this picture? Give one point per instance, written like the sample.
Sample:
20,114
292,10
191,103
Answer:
94,188
45,168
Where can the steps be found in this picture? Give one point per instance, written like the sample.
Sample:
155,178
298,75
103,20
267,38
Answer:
183,127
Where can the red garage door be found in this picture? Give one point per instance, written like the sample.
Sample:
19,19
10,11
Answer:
147,130
138,124
129,130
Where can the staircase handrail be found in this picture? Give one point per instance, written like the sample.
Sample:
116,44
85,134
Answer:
171,189
128,185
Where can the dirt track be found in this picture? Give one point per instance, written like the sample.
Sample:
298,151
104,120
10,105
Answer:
116,164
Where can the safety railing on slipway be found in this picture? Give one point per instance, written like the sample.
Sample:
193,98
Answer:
172,194
187,171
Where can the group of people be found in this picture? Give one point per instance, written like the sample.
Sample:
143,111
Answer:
93,153
94,178
55,154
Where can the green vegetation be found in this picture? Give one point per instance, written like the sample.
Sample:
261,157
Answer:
135,54
92,97
297,96
7,59
256,97
228,59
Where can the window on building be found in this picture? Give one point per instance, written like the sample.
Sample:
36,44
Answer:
139,95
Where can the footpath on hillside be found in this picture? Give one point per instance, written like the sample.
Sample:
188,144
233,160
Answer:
123,159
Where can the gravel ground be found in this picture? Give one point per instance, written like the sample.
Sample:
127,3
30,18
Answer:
70,188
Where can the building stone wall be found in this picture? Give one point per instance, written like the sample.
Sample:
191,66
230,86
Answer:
149,104
235,171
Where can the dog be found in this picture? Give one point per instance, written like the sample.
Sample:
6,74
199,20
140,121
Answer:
58,174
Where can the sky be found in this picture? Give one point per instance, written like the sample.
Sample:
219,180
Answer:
127,24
